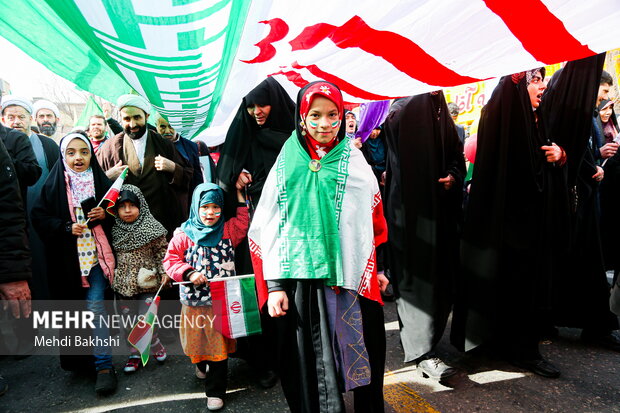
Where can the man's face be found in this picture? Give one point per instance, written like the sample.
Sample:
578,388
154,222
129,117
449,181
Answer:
260,113
165,130
134,121
17,117
96,129
47,122
535,89
350,122
603,92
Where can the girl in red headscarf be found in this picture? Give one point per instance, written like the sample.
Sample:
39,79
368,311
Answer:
319,261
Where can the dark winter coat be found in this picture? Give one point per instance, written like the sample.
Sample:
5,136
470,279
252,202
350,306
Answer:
19,148
14,252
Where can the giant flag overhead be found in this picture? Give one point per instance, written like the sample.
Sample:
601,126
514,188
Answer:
195,59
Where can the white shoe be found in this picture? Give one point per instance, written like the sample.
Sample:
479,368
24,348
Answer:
200,375
214,403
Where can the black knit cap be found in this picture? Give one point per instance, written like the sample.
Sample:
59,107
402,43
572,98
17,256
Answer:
125,196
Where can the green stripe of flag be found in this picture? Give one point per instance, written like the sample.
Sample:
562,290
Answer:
250,306
35,28
236,24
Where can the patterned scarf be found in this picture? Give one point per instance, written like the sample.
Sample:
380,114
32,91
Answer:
129,236
319,150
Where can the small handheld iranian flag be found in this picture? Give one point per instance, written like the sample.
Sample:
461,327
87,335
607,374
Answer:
142,333
235,305
115,189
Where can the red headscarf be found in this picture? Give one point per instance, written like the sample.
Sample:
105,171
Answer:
328,91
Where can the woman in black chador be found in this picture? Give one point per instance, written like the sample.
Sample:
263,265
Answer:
516,224
264,121
424,184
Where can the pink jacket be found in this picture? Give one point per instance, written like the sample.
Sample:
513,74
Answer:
174,262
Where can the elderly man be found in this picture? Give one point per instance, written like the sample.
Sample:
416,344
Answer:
155,166
16,115
47,115
186,148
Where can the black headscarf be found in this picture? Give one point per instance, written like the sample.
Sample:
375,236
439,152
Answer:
567,107
253,147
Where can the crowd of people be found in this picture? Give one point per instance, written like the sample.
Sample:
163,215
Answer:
332,222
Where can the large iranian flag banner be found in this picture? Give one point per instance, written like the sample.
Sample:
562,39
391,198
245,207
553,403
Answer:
195,60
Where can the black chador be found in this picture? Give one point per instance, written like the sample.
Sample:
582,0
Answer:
423,217
516,225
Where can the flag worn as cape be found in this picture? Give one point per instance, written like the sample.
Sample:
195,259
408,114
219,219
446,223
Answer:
328,232
235,306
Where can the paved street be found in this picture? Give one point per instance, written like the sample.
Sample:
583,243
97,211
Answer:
590,382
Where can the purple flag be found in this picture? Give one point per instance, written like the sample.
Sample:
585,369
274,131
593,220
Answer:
372,115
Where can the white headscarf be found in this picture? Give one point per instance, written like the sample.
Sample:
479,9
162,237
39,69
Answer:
82,184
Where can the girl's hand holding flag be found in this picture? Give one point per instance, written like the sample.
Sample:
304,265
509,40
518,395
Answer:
96,214
111,196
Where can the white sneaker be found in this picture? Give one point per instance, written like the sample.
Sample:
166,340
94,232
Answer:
214,403
200,375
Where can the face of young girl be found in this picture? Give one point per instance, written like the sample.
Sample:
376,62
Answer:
210,214
606,113
78,155
128,212
323,120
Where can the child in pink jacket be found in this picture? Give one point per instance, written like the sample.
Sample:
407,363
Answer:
203,249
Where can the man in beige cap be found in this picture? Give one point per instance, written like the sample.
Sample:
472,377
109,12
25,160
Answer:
155,166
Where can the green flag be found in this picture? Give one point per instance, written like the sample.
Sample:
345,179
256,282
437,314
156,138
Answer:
91,108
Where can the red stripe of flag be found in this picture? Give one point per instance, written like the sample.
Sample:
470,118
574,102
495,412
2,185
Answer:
398,50
261,285
342,84
218,293
540,32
